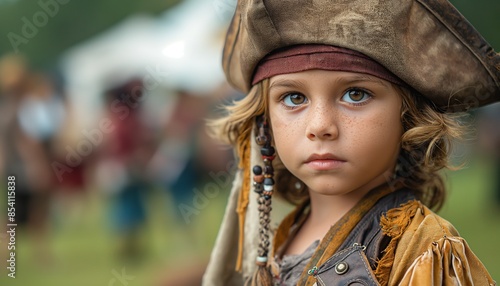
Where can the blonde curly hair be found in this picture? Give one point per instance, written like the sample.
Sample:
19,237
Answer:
425,144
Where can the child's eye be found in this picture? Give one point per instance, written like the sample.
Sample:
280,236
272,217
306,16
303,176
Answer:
356,96
294,99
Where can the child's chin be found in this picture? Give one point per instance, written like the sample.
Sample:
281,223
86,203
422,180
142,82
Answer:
328,190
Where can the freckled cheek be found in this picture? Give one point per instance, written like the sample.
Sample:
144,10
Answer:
379,133
285,133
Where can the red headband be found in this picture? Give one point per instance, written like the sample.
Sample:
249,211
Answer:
308,57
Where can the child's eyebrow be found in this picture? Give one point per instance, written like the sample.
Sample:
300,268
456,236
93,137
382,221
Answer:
288,83
361,78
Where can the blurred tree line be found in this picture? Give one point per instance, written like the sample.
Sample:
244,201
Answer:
74,21
67,23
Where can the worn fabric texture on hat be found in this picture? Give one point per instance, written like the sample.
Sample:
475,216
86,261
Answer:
428,44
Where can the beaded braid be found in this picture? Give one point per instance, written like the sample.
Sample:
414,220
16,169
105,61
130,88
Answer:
264,187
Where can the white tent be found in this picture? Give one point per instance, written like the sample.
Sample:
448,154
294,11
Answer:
181,49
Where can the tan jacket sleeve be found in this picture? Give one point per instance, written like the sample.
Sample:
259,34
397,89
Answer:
431,252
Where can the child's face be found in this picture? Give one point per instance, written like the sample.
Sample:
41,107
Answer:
338,132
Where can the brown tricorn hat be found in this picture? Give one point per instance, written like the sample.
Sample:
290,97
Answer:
426,43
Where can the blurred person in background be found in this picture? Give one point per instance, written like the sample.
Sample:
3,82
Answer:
40,115
32,114
177,169
191,165
72,181
489,140
121,164
13,77
186,156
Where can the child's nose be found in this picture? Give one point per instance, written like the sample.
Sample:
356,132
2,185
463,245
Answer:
321,125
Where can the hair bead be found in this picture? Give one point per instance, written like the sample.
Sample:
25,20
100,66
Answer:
257,170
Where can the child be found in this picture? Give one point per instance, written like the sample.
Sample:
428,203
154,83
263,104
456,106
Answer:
350,112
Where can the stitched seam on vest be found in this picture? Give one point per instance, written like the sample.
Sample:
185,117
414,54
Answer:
367,268
318,279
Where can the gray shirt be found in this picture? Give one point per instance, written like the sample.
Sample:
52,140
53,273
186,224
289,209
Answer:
292,266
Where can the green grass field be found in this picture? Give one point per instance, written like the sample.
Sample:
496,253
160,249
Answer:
472,210
83,249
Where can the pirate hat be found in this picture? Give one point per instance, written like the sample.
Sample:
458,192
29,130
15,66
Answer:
426,43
